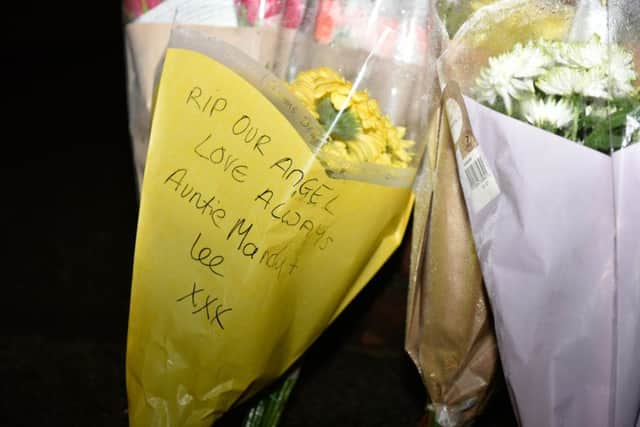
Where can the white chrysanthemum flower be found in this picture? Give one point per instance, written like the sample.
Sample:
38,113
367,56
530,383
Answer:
549,46
533,59
547,113
565,81
621,72
550,83
605,63
593,84
587,55
510,76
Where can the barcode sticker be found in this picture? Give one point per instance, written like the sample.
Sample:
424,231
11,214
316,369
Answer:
476,173
477,178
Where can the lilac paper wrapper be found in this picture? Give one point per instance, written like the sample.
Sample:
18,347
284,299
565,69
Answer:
626,167
546,248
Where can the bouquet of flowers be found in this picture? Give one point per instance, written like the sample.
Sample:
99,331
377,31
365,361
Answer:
548,166
266,206
147,34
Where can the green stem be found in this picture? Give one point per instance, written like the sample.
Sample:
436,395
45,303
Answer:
267,411
432,420
578,106
429,419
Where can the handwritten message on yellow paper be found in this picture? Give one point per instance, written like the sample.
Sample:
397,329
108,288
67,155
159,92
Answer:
246,249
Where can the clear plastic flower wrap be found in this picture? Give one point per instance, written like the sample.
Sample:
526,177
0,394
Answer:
362,70
275,13
282,16
542,102
253,234
454,13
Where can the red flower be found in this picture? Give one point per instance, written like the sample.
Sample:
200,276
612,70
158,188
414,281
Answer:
132,8
293,11
153,3
135,8
328,14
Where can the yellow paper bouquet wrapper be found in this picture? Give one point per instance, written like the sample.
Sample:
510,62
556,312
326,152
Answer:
248,246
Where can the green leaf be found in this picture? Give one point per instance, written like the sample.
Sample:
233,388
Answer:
608,134
343,126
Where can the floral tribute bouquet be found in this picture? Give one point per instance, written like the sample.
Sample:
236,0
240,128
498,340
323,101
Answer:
147,35
266,206
541,100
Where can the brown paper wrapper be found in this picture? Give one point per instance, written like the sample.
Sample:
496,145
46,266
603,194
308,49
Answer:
450,335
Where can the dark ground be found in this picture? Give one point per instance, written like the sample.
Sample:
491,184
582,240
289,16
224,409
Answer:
69,209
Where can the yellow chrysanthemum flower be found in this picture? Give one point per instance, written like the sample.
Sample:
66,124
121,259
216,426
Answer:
358,131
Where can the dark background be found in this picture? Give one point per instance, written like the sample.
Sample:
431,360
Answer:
70,209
